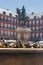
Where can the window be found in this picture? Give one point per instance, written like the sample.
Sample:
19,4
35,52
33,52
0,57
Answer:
33,28
8,19
1,32
37,28
11,33
5,18
8,33
4,12
8,25
29,22
34,17
14,33
37,34
10,14
11,19
41,28
33,35
33,22
42,16
40,21
37,22
5,25
5,32
20,22
11,26
1,17
15,21
40,34
1,24
14,26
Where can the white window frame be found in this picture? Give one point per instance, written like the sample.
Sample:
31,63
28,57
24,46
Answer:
8,33
11,33
12,19
8,18
1,24
5,18
33,28
14,33
33,22
37,22
1,17
14,26
33,34
5,32
41,35
37,34
2,32
41,21
30,22
5,25
26,22
8,25
17,21
37,28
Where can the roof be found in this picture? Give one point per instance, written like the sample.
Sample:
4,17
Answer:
23,30
31,16
7,12
38,15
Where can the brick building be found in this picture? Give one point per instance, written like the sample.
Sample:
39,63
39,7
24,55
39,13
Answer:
36,25
9,22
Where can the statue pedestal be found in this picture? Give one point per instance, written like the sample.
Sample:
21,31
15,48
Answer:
23,34
21,56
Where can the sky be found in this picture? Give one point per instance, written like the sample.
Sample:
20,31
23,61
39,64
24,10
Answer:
30,5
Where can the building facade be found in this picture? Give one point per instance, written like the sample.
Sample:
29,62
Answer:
9,22
36,25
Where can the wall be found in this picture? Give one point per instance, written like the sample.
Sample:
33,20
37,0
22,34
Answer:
21,59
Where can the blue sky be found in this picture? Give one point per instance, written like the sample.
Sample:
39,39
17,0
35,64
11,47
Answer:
30,5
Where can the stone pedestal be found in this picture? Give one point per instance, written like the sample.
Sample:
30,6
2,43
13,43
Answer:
22,58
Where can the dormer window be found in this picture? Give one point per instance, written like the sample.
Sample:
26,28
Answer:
34,17
10,14
4,12
32,13
42,16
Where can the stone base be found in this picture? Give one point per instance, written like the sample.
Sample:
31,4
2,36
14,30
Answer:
21,58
